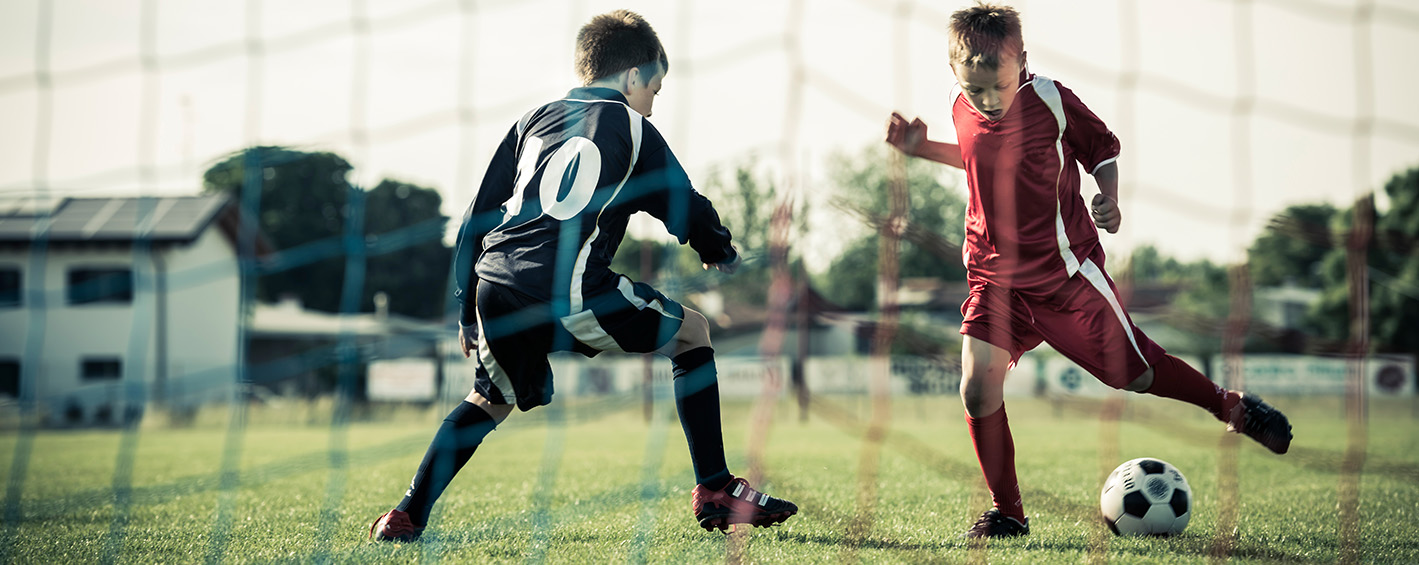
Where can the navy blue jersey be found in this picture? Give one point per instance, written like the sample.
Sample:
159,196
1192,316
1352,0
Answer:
554,203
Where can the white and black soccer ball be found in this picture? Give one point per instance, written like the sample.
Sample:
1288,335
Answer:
1146,497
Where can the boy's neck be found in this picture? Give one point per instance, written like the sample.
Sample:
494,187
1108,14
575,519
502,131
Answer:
610,83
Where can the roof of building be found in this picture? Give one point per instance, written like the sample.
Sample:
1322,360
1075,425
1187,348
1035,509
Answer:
289,319
157,218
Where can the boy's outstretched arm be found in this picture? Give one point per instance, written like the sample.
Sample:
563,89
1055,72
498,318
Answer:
910,138
665,192
1104,208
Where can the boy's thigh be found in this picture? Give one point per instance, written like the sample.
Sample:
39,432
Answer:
633,318
1086,322
1001,318
515,334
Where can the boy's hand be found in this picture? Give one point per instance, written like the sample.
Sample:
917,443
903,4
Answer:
907,137
726,268
1106,213
466,341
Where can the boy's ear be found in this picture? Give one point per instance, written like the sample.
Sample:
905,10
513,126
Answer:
1022,59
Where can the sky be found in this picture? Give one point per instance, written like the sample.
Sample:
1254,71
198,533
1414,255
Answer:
1228,110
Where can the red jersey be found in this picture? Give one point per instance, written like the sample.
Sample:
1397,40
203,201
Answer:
1027,226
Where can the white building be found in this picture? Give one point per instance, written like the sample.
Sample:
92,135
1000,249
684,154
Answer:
121,302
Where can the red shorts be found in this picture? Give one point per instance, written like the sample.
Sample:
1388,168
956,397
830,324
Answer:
1084,320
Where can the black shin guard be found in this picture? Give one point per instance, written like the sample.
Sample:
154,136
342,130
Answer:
457,439
697,401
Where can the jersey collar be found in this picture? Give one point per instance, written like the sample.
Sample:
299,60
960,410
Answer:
1026,77
596,93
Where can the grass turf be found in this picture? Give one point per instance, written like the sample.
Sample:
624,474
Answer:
594,482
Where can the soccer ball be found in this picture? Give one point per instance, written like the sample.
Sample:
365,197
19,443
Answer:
1146,496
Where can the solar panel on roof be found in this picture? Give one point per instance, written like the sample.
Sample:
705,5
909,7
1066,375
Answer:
120,219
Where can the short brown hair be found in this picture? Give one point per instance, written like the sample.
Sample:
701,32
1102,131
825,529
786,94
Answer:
616,41
983,34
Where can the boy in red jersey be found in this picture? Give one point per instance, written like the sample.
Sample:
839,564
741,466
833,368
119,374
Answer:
1032,252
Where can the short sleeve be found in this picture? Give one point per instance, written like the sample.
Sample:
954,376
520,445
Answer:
1093,144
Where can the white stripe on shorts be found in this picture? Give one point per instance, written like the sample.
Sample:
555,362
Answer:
495,371
1095,276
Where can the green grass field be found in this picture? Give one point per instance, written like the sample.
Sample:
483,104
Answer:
593,482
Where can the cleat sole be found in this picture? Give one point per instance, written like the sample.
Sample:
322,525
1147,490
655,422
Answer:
724,523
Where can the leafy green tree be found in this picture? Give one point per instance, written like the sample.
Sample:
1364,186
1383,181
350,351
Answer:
1394,298
931,240
413,273
1203,300
1392,271
303,209
302,201
746,201
1291,247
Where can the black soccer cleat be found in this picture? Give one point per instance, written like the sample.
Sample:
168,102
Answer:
993,524
737,503
1261,422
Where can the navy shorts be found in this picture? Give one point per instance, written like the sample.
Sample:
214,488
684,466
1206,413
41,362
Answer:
517,331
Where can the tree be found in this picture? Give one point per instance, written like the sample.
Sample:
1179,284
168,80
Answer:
1394,297
414,273
746,203
1290,248
1203,300
1392,272
931,240
303,209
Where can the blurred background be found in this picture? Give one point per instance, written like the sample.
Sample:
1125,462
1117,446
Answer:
202,199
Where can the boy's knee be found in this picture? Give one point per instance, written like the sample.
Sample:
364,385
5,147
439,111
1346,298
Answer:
974,388
499,412
1142,383
694,332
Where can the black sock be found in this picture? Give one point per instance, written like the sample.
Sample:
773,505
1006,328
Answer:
697,401
457,439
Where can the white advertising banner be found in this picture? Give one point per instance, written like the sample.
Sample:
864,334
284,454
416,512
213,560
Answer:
1037,373
410,380
1384,375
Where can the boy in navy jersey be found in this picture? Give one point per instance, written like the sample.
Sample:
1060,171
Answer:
1032,253
536,244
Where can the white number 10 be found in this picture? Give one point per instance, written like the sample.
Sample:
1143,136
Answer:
578,151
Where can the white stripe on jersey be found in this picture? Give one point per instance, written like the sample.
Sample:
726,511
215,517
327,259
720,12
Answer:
1046,90
582,323
1095,276
579,268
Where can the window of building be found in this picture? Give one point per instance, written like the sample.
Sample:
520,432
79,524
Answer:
10,378
10,287
92,286
101,369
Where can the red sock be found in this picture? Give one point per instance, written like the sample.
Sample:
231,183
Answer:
996,451
1174,379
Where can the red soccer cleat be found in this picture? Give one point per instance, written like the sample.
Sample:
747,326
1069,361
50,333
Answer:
395,526
737,503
